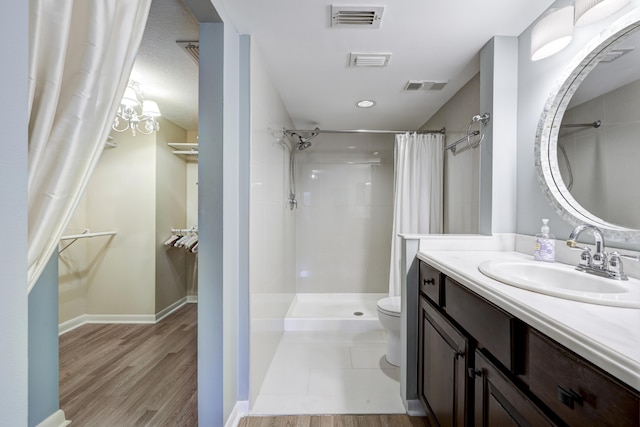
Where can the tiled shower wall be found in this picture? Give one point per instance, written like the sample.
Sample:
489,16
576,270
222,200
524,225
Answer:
343,220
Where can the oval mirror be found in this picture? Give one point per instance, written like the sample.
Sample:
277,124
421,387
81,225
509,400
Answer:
587,147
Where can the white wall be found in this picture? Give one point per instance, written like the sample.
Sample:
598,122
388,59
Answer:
171,272
121,196
535,82
73,266
192,183
344,216
604,160
461,170
272,255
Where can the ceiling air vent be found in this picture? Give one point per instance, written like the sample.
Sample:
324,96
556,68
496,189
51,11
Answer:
434,85
192,48
614,54
413,85
369,59
356,16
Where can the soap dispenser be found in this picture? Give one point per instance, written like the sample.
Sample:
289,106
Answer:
545,247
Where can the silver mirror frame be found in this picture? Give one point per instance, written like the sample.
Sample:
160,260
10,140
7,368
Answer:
546,156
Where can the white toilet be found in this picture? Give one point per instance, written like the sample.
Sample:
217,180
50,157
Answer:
389,316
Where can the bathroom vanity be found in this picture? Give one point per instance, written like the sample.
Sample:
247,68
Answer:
491,354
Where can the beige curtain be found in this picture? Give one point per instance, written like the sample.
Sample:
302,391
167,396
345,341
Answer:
81,53
417,193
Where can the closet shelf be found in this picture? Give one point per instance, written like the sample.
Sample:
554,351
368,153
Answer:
87,235
184,148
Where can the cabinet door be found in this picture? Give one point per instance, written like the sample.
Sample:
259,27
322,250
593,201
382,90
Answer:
443,358
498,402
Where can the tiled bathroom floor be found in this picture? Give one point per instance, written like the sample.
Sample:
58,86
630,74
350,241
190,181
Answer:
330,372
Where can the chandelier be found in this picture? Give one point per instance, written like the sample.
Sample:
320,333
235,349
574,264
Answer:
136,113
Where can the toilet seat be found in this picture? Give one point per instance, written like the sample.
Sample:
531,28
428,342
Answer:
390,306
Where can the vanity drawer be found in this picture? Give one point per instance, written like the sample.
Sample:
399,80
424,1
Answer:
576,390
430,283
495,330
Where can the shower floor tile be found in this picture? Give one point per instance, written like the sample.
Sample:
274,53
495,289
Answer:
330,372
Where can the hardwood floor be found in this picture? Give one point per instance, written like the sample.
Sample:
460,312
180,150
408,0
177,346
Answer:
131,375
335,421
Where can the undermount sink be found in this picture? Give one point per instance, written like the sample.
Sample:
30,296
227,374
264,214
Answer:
564,281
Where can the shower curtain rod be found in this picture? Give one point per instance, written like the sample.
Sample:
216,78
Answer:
316,131
595,124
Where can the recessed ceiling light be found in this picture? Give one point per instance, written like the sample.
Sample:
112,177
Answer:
365,103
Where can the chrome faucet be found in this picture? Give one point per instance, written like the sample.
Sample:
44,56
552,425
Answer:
600,263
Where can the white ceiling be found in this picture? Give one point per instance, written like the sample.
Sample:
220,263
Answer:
308,59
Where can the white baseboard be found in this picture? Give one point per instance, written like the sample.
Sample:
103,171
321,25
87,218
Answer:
168,310
192,299
85,319
57,419
71,324
120,318
240,410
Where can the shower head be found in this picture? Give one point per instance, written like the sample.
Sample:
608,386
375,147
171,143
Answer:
303,144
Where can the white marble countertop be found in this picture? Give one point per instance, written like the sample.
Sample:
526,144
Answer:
609,337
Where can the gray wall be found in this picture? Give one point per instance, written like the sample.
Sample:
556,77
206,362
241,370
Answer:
43,344
14,26
498,96
244,209
222,224
210,226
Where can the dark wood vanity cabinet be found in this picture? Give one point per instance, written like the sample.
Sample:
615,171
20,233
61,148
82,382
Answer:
480,366
443,359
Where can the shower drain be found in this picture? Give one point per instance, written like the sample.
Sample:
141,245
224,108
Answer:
358,313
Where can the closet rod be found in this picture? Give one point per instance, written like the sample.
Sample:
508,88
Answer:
185,230
87,235
315,131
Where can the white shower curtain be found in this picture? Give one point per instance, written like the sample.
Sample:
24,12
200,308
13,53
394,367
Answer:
417,193
80,56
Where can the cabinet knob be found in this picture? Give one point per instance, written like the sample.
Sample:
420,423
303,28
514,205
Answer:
431,281
569,397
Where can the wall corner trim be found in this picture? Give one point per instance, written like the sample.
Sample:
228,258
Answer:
57,419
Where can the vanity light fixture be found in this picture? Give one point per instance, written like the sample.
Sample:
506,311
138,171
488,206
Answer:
552,33
590,11
365,103
136,113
